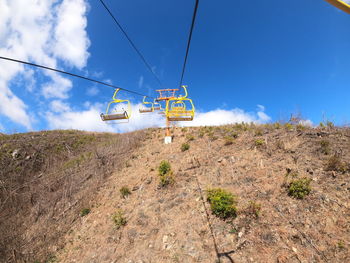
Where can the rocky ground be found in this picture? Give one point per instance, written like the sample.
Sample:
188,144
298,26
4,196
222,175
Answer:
175,224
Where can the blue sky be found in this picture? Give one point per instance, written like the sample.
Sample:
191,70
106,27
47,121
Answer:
287,56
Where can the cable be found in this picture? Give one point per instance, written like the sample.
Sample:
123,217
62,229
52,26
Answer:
74,75
132,44
189,41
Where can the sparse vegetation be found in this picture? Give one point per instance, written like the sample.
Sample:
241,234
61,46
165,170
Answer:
299,188
341,244
300,127
325,147
190,137
336,164
259,142
228,140
84,212
253,209
119,219
288,126
165,174
124,192
185,147
222,203
330,124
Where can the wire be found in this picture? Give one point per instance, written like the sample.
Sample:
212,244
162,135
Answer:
132,44
74,75
189,41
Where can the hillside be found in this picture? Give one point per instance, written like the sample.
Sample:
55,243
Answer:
63,203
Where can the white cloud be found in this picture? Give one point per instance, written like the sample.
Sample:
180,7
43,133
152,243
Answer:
90,119
92,91
57,88
28,31
71,41
59,106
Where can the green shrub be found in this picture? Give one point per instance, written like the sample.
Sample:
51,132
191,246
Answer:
119,219
299,188
259,142
325,147
222,203
165,174
124,192
84,212
185,147
164,168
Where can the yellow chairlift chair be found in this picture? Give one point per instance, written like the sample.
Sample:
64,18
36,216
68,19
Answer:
119,113
146,108
180,108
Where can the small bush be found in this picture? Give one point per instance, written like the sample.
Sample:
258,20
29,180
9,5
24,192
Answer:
258,132
330,124
259,142
84,212
288,127
165,174
277,125
341,244
228,140
124,192
185,147
336,164
164,168
325,147
190,137
222,203
253,209
300,127
119,219
299,188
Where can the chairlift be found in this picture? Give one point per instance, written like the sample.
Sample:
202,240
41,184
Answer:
119,112
180,108
146,108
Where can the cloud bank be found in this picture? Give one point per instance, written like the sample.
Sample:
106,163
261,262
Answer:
89,119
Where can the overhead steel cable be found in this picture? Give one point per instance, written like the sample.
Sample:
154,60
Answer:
73,75
132,44
189,41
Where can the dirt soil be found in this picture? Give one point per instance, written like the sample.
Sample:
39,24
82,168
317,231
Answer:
175,223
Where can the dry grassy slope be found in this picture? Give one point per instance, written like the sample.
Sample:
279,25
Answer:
46,178
170,224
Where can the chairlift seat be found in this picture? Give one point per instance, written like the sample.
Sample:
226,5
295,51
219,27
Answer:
116,116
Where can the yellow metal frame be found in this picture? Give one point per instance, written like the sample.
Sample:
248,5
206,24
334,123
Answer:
179,113
340,4
157,105
120,115
146,109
